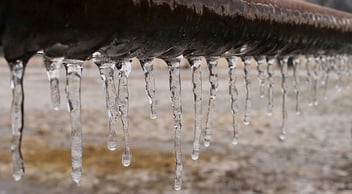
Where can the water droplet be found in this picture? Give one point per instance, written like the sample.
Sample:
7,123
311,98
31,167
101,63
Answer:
126,158
123,100
73,94
214,83
175,88
17,73
234,93
148,69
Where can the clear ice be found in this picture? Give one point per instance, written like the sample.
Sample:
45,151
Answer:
197,93
107,70
284,76
296,62
73,92
123,100
271,62
17,73
261,63
234,96
148,70
53,66
309,63
214,83
175,88
247,84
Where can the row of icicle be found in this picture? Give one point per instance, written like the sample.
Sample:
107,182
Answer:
117,97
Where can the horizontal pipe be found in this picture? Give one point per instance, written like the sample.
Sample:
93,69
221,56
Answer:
168,28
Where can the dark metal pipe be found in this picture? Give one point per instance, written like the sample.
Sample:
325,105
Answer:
165,28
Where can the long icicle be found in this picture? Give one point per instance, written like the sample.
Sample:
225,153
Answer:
247,84
197,93
271,62
17,73
234,96
73,93
326,71
309,64
316,74
284,75
296,62
175,88
107,70
261,63
148,69
53,66
214,83
123,99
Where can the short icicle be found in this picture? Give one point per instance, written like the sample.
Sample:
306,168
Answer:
309,63
107,70
326,75
284,75
271,62
214,83
247,84
53,66
148,69
197,93
261,63
234,96
73,93
17,73
123,100
316,74
175,88
295,63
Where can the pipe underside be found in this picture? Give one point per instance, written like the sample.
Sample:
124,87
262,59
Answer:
166,29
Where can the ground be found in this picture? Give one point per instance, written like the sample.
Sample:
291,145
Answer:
316,157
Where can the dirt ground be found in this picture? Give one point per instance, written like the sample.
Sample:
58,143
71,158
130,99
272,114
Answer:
315,159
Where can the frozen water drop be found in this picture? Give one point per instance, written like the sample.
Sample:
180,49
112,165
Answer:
126,158
271,62
73,94
248,106
17,73
234,93
235,140
123,100
175,89
53,66
197,93
214,83
148,69
282,137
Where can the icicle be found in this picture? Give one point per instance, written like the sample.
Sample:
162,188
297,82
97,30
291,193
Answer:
175,88
107,75
17,73
309,63
284,74
271,62
52,66
247,82
295,62
261,63
326,74
214,83
73,93
316,72
148,68
123,97
197,92
234,96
